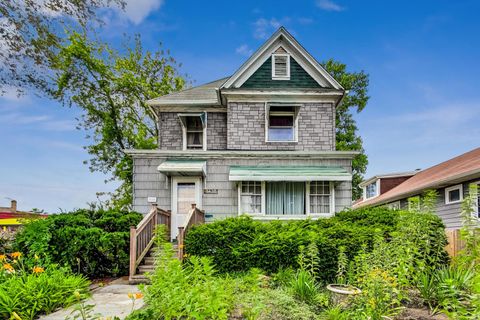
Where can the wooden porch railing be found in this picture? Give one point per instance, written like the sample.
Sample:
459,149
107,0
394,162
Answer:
143,235
195,216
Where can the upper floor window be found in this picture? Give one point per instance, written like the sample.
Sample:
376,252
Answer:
454,194
194,131
281,124
280,66
371,190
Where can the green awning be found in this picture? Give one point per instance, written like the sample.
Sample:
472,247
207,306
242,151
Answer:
183,167
289,173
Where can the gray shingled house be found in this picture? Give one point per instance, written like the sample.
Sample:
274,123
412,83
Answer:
260,142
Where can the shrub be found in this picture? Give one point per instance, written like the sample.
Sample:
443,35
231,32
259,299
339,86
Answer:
94,243
238,244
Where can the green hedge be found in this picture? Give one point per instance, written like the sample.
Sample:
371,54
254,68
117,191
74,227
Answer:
238,244
94,243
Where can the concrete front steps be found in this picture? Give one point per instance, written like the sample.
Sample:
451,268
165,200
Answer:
148,266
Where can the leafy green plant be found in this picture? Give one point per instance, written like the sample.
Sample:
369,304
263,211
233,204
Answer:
304,287
91,242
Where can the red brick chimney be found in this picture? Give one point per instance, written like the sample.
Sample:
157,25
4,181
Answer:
13,206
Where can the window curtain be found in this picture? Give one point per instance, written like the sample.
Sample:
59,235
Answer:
285,198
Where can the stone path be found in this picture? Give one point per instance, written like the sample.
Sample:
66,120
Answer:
111,300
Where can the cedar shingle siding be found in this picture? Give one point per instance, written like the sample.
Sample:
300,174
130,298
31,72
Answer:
262,78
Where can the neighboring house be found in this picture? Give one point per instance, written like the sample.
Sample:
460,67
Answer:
381,183
11,218
260,142
451,180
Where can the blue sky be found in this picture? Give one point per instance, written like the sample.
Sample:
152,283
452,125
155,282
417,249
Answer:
422,57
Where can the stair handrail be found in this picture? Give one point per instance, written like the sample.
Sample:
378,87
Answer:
195,216
142,236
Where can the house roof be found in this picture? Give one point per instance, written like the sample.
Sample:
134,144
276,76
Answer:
388,175
205,94
209,94
456,170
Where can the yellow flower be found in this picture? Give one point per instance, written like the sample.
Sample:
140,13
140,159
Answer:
15,255
3,257
138,295
38,270
8,267
130,295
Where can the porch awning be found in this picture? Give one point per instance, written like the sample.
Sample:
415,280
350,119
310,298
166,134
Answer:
289,173
183,167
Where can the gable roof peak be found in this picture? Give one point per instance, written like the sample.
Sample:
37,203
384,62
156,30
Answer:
282,38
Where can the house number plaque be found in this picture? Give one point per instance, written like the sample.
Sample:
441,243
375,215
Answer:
210,191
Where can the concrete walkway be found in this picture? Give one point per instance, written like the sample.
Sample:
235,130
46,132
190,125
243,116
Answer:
111,300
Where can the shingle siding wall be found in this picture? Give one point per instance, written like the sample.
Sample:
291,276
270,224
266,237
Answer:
148,182
262,78
246,128
171,135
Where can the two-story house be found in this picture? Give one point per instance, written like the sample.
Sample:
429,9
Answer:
260,142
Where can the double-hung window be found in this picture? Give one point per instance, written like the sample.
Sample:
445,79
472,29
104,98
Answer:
281,124
454,194
251,197
194,130
320,197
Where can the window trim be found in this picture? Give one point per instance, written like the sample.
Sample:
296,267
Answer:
203,117
455,187
332,201
263,203
295,122
274,76
477,209
377,193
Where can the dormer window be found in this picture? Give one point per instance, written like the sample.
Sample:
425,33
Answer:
280,66
194,126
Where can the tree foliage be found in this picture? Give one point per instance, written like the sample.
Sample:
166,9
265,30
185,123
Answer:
112,90
346,129
31,32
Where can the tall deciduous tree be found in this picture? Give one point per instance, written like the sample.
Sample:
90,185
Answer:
30,33
112,89
347,132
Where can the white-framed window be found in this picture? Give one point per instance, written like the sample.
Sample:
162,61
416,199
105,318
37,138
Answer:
454,194
194,127
371,190
280,66
281,123
320,197
477,203
251,197
394,205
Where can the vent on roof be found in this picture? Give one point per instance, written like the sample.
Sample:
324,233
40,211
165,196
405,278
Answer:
281,66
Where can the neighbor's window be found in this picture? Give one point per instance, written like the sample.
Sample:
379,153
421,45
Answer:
478,201
251,197
454,194
194,126
394,205
280,67
320,194
371,190
281,123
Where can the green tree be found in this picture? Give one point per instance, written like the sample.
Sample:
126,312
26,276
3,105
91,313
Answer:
347,132
30,33
112,88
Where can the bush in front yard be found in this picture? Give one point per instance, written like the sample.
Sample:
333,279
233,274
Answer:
238,244
94,243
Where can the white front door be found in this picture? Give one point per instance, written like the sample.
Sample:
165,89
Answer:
185,192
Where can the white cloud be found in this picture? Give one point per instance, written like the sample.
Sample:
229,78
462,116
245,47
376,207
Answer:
244,50
43,122
137,10
329,5
265,27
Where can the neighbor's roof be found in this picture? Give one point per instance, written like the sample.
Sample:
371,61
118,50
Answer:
18,218
205,94
388,175
456,170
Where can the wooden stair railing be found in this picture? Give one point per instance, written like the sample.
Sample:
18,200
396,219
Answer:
142,236
194,217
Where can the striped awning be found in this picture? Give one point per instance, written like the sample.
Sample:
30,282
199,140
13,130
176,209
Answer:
183,167
289,173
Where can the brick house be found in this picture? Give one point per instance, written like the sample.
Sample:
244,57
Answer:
260,142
